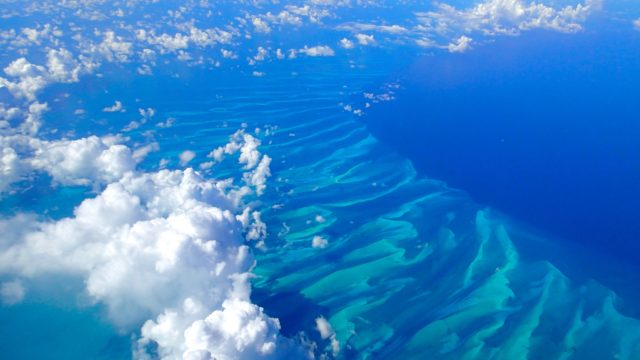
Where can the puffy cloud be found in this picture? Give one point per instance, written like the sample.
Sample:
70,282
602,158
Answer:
31,79
33,120
240,330
346,44
116,107
167,43
258,177
61,67
10,167
257,164
243,142
83,161
319,242
462,44
260,25
165,247
324,327
261,54
113,48
636,24
320,50
326,332
507,17
364,39
186,157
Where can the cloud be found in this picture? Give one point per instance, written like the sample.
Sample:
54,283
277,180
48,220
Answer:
346,44
319,242
364,39
116,107
84,161
162,248
388,29
31,79
462,44
240,141
257,164
326,332
260,25
10,167
636,24
320,50
493,17
186,157
63,67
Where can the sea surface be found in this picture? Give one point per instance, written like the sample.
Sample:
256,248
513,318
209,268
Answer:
459,223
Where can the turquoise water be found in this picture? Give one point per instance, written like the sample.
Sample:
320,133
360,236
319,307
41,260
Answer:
402,265
412,268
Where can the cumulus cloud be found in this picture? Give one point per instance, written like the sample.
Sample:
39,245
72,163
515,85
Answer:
83,161
116,107
364,39
167,43
257,164
346,44
30,79
163,247
319,242
462,44
11,167
636,24
186,157
320,50
260,25
326,332
507,17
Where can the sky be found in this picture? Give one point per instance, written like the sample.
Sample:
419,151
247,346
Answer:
271,179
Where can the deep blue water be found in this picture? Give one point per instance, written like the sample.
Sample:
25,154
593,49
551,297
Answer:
545,128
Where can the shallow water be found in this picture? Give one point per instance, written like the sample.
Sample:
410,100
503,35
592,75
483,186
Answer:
413,268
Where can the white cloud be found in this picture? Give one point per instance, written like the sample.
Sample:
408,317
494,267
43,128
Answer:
324,327
364,39
228,54
186,157
326,332
258,165
346,44
319,242
507,17
636,24
31,78
389,29
11,168
165,247
116,107
320,50
243,142
113,48
261,54
462,44
63,67
83,161
260,25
